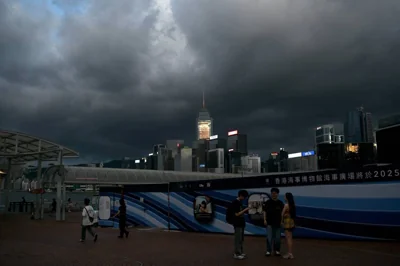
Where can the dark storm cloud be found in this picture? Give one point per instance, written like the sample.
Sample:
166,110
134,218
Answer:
293,65
112,78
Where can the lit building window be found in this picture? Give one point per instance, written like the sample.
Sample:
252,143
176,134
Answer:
204,129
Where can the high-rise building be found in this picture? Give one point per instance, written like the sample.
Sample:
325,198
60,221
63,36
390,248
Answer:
204,123
174,145
237,142
282,160
183,160
327,134
200,152
272,163
158,147
359,154
369,128
358,127
302,161
164,157
216,161
151,161
217,142
388,140
251,164
233,161
330,156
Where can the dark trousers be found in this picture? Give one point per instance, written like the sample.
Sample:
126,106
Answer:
122,227
86,228
273,238
239,238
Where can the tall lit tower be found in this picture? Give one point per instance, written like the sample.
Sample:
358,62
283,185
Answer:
204,125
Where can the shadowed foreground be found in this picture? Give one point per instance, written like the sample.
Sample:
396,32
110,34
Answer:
27,242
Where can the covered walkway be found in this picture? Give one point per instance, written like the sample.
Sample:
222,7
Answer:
18,148
112,176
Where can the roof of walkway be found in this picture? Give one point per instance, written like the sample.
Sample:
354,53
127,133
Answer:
22,148
96,175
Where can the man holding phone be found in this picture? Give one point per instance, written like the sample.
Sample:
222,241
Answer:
239,223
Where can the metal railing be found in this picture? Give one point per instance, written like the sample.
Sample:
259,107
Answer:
21,207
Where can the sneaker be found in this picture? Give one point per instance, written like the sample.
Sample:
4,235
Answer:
238,257
288,256
267,253
95,237
277,253
244,255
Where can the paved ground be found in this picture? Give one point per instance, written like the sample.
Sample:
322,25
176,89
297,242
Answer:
27,242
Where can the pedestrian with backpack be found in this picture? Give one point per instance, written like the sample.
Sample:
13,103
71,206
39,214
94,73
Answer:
235,217
87,221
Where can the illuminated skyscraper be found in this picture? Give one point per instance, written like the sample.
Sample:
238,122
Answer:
204,124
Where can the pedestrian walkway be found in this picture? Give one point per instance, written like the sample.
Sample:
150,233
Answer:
28,242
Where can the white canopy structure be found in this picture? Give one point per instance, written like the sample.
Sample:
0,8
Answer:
21,148
103,176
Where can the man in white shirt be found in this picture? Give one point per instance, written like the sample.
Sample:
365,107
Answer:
87,221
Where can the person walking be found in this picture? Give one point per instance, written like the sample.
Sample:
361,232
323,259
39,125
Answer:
235,216
69,205
87,221
122,219
53,207
288,216
272,221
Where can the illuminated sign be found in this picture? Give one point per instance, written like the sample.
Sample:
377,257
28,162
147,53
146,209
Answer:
137,161
150,154
301,154
178,144
308,153
294,155
318,128
274,153
202,165
213,137
230,150
232,133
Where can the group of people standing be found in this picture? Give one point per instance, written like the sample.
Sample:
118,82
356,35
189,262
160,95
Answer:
276,215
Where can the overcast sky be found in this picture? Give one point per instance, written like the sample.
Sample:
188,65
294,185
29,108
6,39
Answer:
112,78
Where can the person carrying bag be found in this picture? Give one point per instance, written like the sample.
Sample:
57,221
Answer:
87,221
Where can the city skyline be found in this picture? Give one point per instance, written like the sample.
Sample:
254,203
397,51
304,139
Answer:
275,70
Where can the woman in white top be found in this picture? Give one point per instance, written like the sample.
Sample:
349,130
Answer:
87,221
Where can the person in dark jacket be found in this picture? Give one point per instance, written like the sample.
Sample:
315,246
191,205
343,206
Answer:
122,219
272,220
53,207
239,223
